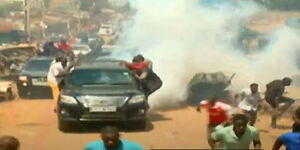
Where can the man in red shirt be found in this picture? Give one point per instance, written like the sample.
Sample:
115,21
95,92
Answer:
219,112
65,50
136,64
63,45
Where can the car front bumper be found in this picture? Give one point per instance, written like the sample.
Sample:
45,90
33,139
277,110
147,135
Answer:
123,114
32,91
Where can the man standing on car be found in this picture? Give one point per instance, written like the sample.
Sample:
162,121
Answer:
250,102
274,96
142,70
63,45
56,74
111,141
65,49
149,80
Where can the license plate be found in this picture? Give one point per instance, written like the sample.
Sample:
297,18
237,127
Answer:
103,109
39,82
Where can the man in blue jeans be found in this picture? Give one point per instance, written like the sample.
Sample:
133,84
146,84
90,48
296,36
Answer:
111,141
290,140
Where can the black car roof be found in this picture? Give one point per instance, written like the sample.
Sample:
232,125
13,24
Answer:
42,58
110,64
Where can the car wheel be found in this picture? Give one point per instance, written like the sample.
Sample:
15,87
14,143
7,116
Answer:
142,124
64,126
8,95
22,95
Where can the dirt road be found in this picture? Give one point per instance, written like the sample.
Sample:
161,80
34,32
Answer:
35,124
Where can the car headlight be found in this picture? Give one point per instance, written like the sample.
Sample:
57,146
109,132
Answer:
137,99
67,99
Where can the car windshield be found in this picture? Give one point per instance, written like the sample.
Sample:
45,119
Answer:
38,66
100,77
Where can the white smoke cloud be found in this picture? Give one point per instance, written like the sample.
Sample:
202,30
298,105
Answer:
183,38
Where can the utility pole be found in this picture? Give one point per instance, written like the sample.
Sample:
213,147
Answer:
43,9
77,3
27,18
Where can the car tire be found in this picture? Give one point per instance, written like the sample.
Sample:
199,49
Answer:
8,95
141,124
22,94
64,126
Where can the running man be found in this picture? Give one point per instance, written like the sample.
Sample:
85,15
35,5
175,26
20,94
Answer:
219,112
237,136
274,96
250,101
57,72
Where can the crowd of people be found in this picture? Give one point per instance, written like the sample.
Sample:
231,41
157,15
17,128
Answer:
141,69
237,134
227,127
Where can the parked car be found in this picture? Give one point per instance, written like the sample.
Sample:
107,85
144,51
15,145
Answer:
81,49
13,58
251,41
104,91
206,85
32,81
107,30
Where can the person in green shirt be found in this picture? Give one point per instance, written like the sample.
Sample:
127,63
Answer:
237,136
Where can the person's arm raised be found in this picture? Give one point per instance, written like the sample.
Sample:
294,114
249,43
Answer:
277,145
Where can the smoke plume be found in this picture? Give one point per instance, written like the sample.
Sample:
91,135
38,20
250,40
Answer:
182,38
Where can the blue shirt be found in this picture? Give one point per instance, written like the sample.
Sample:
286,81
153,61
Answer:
291,141
124,145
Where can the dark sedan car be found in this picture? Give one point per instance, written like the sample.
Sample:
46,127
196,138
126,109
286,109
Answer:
101,92
32,81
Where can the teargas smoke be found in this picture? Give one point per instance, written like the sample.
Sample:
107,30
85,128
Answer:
183,37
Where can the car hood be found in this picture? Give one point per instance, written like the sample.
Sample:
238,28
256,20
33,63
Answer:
114,90
4,85
34,73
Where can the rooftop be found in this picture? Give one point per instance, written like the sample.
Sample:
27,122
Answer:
103,64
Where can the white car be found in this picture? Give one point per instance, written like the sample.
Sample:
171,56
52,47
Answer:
81,49
107,30
6,90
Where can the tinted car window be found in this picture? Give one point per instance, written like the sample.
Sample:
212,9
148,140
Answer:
100,77
38,65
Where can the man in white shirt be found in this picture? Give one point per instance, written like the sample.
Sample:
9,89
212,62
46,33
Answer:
57,72
251,99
